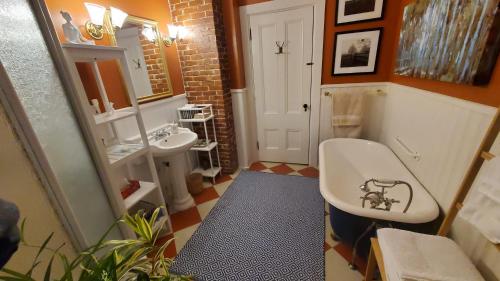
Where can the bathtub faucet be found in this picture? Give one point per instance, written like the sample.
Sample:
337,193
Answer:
377,198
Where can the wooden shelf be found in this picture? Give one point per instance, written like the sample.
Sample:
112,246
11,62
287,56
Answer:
121,153
138,195
209,173
209,147
117,115
93,53
196,120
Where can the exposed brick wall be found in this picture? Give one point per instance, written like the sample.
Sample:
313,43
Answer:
154,61
205,68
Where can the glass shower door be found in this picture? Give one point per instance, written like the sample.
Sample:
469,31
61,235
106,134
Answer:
42,98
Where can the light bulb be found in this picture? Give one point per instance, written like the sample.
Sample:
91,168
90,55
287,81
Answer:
118,17
173,31
182,32
149,33
96,13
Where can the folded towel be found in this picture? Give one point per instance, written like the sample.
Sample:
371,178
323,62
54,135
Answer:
347,114
421,257
482,207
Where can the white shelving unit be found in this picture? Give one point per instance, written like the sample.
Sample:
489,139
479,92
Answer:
117,115
203,113
114,157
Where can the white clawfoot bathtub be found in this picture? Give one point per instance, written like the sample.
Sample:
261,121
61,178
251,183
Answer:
345,164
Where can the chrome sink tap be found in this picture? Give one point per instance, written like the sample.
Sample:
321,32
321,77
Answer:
160,133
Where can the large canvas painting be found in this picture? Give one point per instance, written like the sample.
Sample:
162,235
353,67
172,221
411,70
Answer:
450,40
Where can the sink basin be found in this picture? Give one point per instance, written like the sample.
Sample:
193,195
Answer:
175,143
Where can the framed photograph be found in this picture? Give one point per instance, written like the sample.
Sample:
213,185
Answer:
356,52
352,11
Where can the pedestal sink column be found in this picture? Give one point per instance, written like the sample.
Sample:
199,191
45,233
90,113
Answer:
182,199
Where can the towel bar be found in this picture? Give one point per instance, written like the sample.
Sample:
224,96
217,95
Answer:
379,93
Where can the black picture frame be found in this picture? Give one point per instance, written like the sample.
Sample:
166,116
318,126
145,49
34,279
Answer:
337,11
379,44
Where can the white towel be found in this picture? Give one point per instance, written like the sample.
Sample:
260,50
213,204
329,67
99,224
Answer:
420,257
347,113
482,207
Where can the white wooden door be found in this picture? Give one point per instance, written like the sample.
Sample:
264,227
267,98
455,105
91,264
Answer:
283,83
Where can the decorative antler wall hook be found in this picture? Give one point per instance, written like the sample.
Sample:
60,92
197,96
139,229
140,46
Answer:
137,63
280,47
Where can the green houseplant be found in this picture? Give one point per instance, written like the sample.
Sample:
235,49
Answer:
138,259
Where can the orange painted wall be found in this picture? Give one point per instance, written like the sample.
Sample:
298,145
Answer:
386,50
157,10
386,53
488,95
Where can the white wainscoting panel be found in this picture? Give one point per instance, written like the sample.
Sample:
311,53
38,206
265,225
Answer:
374,109
444,131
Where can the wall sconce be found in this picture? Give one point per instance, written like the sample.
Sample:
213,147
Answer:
95,26
118,17
175,33
149,33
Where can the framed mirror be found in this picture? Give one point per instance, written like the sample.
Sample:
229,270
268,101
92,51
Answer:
147,62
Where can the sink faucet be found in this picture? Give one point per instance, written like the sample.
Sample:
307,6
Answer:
377,198
160,133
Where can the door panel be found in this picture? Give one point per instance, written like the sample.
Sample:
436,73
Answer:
282,83
270,69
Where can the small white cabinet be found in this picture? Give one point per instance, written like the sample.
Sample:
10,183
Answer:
116,159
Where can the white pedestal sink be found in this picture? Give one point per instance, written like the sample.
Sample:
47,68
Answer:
171,149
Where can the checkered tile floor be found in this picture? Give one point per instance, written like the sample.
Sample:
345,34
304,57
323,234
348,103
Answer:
186,222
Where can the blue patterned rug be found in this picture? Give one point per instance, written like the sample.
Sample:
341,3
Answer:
265,227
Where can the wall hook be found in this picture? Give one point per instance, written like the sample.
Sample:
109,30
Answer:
137,63
280,47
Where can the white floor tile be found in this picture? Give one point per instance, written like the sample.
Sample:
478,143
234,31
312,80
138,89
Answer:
205,208
269,165
297,167
182,236
337,269
295,174
222,187
267,171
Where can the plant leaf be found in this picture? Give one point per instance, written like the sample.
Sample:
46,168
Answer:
48,270
18,275
40,250
21,232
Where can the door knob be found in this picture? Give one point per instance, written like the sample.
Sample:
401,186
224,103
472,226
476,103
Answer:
305,106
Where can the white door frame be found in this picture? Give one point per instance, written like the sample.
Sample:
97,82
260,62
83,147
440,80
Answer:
319,21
